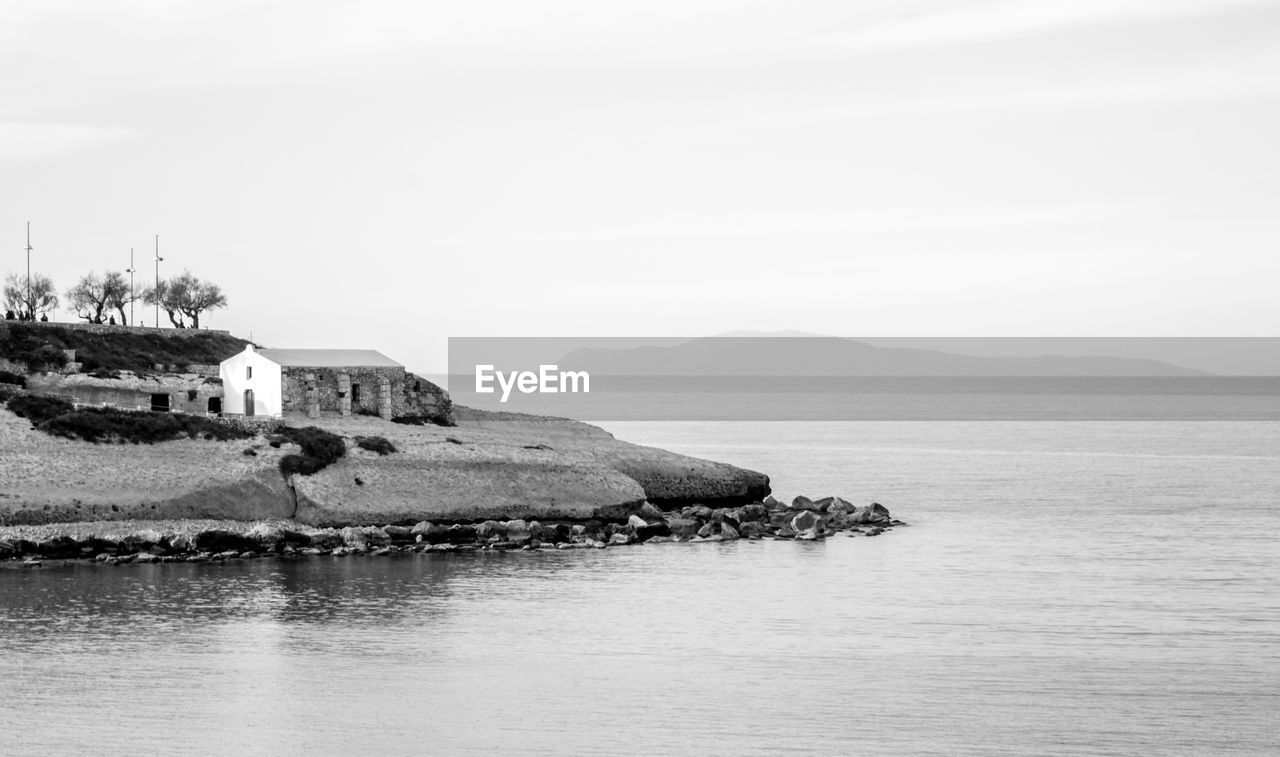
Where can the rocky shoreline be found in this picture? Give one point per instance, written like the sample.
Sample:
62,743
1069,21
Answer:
123,542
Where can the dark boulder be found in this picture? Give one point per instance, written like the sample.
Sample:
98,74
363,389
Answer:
399,534
59,547
218,540
645,533
683,526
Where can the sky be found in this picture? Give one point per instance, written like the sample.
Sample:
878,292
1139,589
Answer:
388,175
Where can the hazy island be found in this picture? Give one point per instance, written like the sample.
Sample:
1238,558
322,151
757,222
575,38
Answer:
91,472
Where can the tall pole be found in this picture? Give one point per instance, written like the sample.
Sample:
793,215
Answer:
158,259
31,310
133,292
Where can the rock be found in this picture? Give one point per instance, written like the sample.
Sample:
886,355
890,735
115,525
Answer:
267,536
420,528
182,543
7,550
697,512
752,530
141,541
146,557
636,522
326,539
802,503
229,554
491,529
399,533
380,551
460,534
683,526
805,521
656,531
59,547
872,513
835,505
809,535
728,531
217,540
296,538
651,512
544,533
659,540
619,539
31,562
772,504
375,536
706,530
518,531
578,530
354,537
748,513
786,532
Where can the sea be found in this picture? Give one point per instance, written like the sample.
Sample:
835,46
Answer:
1061,588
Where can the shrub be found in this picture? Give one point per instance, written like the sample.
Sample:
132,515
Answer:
320,448
423,420
39,408
109,424
13,378
116,350
375,444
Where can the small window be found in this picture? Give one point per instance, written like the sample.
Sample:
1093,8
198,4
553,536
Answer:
355,393
248,371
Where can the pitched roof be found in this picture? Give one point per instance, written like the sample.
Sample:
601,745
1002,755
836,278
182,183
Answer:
330,358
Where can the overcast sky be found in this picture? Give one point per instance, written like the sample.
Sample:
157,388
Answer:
386,175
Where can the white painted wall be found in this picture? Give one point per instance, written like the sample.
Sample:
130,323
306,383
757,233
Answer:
265,383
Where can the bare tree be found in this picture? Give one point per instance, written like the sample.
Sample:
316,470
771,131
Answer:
185,296
122,296
94,295
43,295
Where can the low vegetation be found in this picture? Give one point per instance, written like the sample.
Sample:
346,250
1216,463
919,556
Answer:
320,449
375,444
39,408
13,378
423,420
41,346
60,418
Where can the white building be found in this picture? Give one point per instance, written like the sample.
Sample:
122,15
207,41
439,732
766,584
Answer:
251,384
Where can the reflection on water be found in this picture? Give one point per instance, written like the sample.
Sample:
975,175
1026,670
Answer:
1078,590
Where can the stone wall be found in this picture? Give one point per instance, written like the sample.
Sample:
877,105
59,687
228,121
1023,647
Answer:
336,388
106,328
425,399
187,394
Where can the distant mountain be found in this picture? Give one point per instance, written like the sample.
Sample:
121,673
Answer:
795,354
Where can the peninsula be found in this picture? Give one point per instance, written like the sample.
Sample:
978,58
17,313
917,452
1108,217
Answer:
434,476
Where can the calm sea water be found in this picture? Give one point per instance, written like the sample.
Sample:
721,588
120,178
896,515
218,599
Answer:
1079,588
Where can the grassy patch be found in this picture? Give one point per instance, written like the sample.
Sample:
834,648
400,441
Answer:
58,417
109,424
38,408
40,346
320,448
375,444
